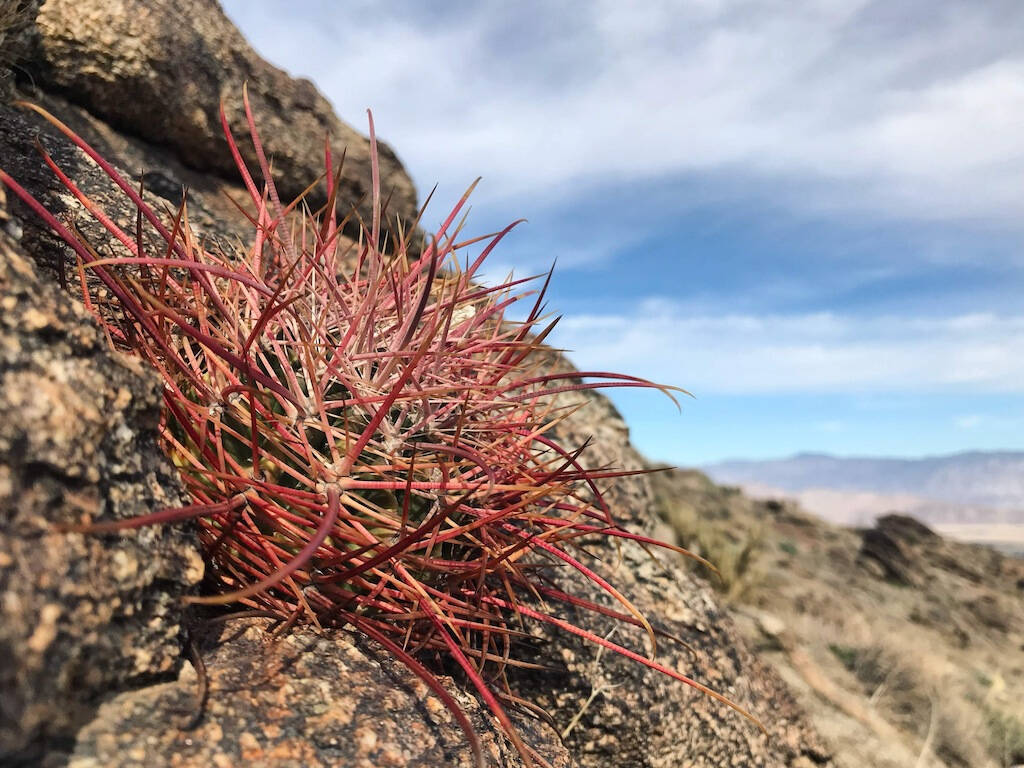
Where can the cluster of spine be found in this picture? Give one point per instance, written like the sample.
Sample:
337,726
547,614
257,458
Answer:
365,437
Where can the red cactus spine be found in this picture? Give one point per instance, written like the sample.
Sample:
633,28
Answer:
364,435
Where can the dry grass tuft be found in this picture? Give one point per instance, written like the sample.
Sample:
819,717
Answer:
734,546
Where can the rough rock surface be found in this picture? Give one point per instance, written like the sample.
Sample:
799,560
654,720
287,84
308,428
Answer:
158,69
141,80
211,212
881,548
15,23
79,616
303,700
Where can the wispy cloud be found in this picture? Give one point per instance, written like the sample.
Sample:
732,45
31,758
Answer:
907,108
819,353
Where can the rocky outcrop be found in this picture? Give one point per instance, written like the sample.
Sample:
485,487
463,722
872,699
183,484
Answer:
902,549
15,22
158,70
304,699
882,551
79,616
141,81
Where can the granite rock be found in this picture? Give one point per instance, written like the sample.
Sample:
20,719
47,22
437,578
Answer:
158,70
305,699
79,615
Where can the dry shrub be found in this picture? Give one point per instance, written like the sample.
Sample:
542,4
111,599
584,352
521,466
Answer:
920,694
1006,738
733,552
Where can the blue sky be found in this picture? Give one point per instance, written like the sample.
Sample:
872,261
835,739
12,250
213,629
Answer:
809,214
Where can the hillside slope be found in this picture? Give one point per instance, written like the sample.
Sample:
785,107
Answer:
906,649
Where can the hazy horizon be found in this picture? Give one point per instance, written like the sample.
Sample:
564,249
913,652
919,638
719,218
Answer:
869,457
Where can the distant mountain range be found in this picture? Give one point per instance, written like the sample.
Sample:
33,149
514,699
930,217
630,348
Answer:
972,487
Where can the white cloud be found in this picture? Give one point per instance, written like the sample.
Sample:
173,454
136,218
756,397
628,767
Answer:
903,108
820,352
